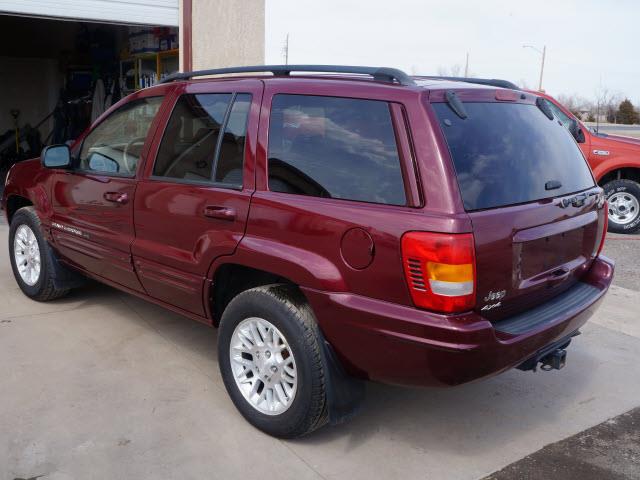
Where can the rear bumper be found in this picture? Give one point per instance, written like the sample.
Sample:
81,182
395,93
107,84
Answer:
397,344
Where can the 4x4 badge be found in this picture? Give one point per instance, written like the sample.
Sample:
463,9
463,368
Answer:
491,306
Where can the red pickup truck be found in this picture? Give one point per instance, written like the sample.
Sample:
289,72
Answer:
367,225
615,162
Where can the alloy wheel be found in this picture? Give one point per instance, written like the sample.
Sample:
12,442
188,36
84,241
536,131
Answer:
263,366
26,253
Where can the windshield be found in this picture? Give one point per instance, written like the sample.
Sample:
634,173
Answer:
509,153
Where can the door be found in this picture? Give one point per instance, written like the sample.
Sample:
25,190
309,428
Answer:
135,12
92,222
537,214
192,204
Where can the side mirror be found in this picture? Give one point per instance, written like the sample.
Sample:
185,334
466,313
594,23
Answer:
56,156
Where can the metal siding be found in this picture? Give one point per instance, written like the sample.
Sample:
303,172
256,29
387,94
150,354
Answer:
137,12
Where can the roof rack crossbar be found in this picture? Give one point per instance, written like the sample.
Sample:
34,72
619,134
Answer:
382,74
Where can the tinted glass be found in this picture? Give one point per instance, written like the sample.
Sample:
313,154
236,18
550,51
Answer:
231,158
505,153
334,147
189,143
560,115
115,145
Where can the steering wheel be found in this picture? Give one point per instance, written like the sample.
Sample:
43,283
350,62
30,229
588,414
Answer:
131,163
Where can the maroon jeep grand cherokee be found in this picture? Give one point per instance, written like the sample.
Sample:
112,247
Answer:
367,225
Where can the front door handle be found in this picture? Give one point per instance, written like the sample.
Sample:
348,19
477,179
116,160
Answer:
116,197
220,212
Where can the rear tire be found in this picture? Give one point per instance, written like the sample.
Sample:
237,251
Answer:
289,373
623,197
32,262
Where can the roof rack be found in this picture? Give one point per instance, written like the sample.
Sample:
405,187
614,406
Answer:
495,82
381,74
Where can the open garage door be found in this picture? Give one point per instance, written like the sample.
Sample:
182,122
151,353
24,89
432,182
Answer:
57,75
141,12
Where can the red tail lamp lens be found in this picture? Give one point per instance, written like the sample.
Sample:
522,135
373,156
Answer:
440,269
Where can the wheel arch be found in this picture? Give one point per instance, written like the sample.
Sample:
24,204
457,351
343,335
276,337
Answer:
14,203
617,172
230,279
260,261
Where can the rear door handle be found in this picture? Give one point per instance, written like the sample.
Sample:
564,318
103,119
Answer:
116,197
220,212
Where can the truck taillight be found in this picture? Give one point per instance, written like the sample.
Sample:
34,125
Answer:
440,269
603,224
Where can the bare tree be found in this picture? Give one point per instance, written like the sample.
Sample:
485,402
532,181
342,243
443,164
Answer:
607,104
575,103
453,71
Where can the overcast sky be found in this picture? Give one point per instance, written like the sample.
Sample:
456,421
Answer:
588,42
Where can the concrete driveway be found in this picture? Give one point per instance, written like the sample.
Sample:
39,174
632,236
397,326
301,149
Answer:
101,385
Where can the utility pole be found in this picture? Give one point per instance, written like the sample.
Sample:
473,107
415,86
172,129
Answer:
466,67
286,50
542,52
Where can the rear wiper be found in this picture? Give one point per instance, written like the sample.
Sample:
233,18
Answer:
552,185
456,105
544,107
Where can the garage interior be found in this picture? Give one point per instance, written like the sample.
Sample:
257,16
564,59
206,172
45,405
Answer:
57,76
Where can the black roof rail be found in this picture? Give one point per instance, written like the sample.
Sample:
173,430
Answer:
495,82
382,74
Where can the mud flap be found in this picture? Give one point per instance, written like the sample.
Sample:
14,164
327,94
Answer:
345,394
63,277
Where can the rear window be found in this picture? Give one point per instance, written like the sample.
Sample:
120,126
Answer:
508,153
335,148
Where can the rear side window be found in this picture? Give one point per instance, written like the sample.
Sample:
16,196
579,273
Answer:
205,138
334,148
509,153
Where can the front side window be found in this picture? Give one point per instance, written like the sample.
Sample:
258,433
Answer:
115,145
560,115
204,139
334,147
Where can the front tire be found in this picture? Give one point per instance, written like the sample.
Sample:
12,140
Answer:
623,198
271,363
31,257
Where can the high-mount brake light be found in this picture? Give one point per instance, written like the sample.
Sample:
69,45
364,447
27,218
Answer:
507,95
440,270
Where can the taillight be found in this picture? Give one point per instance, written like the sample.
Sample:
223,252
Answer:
440,269
603,224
